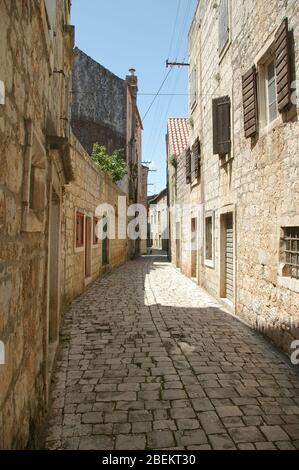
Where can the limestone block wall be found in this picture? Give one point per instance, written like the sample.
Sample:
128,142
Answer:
89,189
27,61
260,183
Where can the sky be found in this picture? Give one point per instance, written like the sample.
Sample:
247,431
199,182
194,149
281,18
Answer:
142,34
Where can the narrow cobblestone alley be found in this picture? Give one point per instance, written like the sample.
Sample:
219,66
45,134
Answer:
149,361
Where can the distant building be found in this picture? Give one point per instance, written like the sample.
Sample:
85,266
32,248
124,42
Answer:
158,221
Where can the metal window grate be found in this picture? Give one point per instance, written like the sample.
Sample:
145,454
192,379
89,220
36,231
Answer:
291,239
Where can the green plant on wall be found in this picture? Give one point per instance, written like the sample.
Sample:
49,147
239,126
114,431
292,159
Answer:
110,163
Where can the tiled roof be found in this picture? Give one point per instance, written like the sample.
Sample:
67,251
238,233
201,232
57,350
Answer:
178,135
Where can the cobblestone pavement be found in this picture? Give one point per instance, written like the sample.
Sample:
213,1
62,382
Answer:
149,361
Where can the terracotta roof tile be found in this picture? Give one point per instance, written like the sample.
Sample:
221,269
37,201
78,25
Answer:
178,134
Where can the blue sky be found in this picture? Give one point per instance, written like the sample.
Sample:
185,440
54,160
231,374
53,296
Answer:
142,34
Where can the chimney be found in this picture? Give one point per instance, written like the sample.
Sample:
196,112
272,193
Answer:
132,81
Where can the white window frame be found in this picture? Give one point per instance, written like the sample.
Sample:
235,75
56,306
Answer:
263,100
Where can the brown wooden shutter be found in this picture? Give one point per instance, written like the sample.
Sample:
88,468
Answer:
188,166
221,126
196,156
282,65
249,87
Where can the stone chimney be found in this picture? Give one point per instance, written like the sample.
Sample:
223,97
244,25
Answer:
132,81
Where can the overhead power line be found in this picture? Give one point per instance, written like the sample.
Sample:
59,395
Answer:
156,95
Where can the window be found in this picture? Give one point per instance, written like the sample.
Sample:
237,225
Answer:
223,25
188,166
79,229
209,238
195,161
51,15
271,92
95,238
193,87
34,183
267,89
290,252
221,126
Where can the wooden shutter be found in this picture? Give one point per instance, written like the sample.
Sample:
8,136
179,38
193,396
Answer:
221,126
249,87
188,166
196,156
282,65
223,25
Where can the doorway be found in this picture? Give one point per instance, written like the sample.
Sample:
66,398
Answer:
194,248
54,270
88,248
227,257
105,247
178,245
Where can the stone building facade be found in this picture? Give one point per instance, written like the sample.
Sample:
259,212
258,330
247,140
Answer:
105,111
244,62
158,221
49,192
36,42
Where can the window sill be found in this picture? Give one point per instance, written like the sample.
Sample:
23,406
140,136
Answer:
223,161
222,54
289,283
79,249
194,183
209,263
267,128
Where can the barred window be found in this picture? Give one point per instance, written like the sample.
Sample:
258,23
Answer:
291,252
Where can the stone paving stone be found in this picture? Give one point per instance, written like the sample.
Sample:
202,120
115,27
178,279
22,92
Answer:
246,434
221,442
210,422
150,360
224,411
194,437
125,442
96,443
160,439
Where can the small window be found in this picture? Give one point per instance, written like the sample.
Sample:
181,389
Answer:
223,25
79,229
51,15
290,252
209,238
268,109
193,87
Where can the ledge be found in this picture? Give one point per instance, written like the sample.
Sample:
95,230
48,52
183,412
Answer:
289,283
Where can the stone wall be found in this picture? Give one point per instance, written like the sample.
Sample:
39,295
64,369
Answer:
99,107
89,189
259,185
34,104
